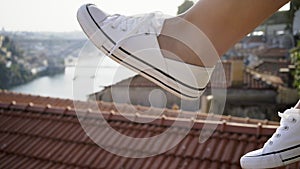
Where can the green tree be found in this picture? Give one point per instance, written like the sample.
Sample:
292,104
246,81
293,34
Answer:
185,6
16,73
295,53
295,56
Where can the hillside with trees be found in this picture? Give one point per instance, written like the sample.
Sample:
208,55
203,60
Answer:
12,70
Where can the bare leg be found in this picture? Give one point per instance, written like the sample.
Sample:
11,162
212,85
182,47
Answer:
224,22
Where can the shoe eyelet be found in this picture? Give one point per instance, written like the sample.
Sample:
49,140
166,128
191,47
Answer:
271,143
113,27
286,128
278,135
294,120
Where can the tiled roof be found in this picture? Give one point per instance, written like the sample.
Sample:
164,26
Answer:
254,39
269,80
67,104
40,136
272,53
271,67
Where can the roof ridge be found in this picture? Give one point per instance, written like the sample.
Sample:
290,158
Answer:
9,97
223,126
31,95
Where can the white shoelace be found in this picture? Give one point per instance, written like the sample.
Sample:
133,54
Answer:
285,118
134,26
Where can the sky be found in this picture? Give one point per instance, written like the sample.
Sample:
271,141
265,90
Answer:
60,15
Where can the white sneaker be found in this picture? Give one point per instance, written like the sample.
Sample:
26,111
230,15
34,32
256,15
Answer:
282,148
132,42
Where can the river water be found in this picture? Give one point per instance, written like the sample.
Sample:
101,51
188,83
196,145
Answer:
82,81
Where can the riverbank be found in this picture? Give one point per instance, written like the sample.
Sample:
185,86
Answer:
61,85
16,75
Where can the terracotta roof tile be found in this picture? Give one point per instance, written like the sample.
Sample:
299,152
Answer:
67,109
31,137
271,66
273,53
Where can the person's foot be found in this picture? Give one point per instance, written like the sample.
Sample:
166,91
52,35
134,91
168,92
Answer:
282,148
133,42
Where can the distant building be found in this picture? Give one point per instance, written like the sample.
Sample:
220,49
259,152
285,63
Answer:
274,54
250,42
272,48
271,40
296,24
276,24
1,40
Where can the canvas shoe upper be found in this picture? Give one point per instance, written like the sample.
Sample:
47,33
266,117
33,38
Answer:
282,148
132,42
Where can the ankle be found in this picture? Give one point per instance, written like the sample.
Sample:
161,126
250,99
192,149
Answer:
180,51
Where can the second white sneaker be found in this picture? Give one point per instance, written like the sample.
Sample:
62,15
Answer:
282,148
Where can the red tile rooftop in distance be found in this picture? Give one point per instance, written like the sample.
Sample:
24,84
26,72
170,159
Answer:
34,134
